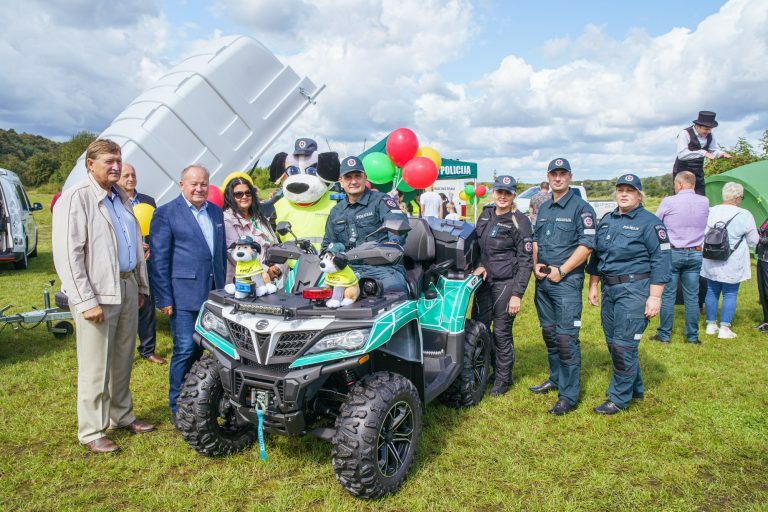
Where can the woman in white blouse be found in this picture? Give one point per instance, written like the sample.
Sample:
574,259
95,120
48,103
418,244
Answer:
723,277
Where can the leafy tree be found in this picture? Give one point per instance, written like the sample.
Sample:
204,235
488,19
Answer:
741,154
40,167
69,152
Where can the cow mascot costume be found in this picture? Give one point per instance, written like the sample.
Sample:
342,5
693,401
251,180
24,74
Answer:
307,177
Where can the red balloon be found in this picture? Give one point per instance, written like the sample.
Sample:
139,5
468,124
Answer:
402,145
55,198
215,196
480,191
420,172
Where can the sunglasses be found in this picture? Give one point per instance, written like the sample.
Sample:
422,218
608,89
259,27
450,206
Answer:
240,195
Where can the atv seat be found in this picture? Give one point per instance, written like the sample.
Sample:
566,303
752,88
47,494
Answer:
419,248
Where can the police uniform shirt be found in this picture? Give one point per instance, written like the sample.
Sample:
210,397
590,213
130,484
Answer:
350,223
632,243
562,226
506,247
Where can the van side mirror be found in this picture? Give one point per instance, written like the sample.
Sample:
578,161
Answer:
36,207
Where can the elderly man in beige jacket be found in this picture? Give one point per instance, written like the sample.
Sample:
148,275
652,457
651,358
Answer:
99,257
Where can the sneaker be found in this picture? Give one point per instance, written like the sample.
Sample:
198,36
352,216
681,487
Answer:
761,326
711,328
725,332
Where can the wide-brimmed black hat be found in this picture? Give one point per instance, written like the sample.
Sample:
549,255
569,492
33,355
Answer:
706,118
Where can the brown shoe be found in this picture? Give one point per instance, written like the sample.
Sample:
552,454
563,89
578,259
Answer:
102,445
152,358
140,427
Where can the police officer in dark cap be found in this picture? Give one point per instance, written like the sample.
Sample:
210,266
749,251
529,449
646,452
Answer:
696,143
358,215
563,237
632,260
506,262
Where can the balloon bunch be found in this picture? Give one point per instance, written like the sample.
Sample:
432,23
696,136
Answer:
472,194
406,165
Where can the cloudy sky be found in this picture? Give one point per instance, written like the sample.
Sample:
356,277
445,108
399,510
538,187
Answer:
509,85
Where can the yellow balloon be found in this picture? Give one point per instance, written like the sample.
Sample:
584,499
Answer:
143,213
432,154
233,175
463,196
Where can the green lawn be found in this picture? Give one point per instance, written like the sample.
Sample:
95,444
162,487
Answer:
699,441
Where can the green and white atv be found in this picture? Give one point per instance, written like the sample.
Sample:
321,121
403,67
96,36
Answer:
357,376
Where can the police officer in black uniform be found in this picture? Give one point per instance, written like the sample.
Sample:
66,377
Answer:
563,237
506,262
633,261
358,215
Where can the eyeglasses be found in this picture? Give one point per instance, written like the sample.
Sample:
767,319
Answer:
241,194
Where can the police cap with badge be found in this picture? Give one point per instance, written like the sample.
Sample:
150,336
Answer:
351,164
304,146
631,180
557,164
507,183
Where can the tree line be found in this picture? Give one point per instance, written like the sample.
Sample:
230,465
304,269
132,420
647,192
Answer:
43,163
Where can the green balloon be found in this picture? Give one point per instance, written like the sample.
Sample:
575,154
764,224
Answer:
404,187
378,168
470,190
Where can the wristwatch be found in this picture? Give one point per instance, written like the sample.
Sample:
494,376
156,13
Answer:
562,274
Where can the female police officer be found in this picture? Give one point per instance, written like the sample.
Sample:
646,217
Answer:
632,259
506,261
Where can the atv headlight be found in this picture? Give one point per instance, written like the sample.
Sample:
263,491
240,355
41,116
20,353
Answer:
211,322
346,340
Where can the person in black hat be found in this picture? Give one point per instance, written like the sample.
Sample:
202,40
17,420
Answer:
353,220
632,259
563,237
696,143
506,262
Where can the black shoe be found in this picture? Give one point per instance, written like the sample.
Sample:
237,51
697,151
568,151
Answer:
764,329
607,407
499,388
761,326
658,338
561,408
640,397
545,387
694,342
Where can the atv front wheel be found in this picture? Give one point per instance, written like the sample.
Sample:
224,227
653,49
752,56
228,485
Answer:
469,387
377,432
206,418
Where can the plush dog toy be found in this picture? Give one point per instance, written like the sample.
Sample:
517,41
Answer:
305,177
246,253
340,277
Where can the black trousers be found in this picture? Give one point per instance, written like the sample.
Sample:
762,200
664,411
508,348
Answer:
147,328
492,301
762,286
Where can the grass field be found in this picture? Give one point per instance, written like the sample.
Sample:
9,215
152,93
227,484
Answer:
699,441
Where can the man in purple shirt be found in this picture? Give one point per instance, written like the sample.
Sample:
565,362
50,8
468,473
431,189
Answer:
685,216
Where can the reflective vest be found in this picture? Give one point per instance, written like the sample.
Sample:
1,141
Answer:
246,270
307,222
345,277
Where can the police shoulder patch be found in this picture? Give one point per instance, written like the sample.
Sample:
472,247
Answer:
663,237
390,202
528,247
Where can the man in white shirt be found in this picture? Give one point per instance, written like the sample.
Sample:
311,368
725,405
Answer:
430,203
696,143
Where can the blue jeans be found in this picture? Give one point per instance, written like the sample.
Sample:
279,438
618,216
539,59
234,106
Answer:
185,353
686,266
728,311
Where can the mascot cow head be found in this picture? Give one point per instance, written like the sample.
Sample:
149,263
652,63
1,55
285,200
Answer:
306,174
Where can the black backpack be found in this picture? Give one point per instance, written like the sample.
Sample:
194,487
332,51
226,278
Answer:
716,245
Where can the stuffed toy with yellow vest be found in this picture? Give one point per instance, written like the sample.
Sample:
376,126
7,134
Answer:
340,277
250,276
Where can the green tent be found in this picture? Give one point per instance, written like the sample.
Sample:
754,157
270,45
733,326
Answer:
449,170
754,178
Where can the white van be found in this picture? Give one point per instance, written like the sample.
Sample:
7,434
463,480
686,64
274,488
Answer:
18,231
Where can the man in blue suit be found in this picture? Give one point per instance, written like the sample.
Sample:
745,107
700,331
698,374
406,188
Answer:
188,254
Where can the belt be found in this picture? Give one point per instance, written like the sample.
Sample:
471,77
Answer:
126,275
696,248
624,279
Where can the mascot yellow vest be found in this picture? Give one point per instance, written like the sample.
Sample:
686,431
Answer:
345,277
307,222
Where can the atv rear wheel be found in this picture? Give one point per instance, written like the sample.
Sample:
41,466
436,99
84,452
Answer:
205,417
469,387
377,432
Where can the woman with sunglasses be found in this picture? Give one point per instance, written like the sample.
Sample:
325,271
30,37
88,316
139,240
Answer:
242,216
